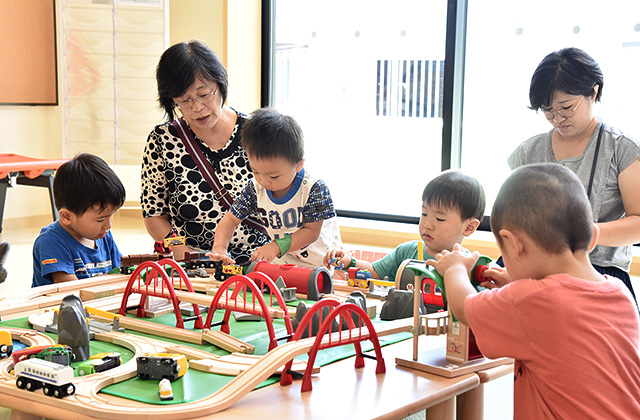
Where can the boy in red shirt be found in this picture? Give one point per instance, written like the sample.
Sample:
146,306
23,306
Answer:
574,334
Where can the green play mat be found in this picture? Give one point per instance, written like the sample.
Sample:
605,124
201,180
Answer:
195,385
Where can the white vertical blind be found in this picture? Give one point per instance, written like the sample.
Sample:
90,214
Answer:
110,49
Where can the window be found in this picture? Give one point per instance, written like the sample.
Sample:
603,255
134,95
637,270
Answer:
504,45
367,89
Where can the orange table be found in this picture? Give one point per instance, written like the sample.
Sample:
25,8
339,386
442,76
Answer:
17,169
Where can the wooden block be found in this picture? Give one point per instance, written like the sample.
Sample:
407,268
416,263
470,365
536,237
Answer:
372,310
98,292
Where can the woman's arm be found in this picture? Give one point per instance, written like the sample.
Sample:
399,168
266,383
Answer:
158,226
224,233
626,230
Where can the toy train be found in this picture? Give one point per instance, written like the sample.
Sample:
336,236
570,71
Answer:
6,343
55,379
99,363
191,260
128,263
358,277
161,365
58,353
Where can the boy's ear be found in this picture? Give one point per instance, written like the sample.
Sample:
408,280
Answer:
511,240
300,165
596,236
471,227
65,216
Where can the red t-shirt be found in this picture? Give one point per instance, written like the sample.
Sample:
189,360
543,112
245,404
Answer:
576,344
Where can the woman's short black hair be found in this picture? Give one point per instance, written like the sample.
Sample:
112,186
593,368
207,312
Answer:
571,71
178,68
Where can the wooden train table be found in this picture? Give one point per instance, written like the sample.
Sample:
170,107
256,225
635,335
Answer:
22,170
339,389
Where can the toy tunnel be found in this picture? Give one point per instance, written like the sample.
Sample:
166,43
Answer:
313,282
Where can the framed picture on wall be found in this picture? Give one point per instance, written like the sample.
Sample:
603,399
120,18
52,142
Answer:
28,69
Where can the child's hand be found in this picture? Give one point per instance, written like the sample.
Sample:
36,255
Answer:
456,258
220,256
337,258
266,252
495,276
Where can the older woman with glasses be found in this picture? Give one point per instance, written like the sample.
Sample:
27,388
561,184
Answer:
565,87
194,164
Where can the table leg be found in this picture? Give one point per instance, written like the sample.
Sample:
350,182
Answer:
443,411
44,180
4,183
470,405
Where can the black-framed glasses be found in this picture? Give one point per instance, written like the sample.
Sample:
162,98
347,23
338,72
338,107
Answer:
564,113
205,98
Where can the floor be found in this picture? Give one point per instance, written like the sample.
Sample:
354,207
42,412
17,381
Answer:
131,237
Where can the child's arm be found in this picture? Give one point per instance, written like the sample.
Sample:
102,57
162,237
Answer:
496,277
61,276
345,259
224,233
455,267
306,235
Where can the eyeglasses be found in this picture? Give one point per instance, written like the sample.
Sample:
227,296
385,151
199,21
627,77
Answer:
205,98
564,113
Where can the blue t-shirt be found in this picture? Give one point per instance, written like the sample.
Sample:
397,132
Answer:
388,265
56,250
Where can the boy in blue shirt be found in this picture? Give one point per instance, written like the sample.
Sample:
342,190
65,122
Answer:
79,244
452,208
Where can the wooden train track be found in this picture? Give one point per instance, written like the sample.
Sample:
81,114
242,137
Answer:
88,403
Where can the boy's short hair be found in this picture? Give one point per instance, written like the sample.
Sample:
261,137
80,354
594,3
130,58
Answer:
269,134
548,203
454,190
87,181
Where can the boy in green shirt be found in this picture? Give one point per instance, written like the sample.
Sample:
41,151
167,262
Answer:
452,208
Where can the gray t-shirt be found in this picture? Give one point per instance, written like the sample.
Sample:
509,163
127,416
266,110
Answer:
616,153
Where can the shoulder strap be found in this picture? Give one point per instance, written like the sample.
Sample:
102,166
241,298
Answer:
595,161
208,173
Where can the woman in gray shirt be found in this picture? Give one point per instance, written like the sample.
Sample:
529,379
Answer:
565,87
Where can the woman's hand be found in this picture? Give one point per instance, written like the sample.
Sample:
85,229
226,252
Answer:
217,255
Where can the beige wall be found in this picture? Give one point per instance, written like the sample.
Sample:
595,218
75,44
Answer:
34,131
231,28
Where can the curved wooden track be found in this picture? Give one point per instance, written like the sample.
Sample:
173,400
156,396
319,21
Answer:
87,403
